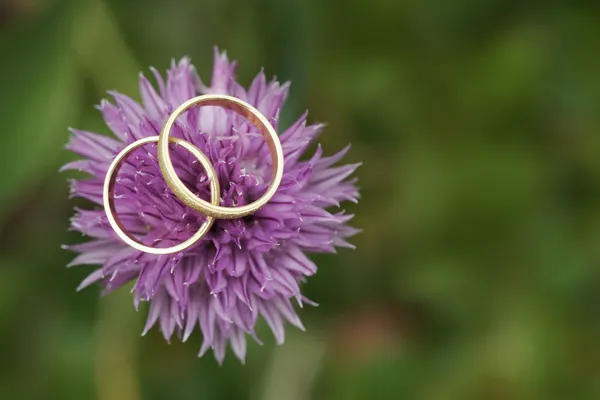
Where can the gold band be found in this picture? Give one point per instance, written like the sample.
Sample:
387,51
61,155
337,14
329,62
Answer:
185,194
109,196
213,209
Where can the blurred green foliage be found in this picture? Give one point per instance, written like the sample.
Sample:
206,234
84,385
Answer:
477,274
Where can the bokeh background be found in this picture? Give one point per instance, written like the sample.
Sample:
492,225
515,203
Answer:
477,275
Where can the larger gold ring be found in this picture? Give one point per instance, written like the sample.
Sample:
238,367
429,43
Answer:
186,195
109,197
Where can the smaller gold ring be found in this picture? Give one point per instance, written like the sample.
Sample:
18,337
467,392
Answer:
186,195
108,197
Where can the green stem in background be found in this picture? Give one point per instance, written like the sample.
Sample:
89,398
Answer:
101,49
293,368
117,336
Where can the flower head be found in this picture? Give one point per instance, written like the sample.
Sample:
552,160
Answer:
242,268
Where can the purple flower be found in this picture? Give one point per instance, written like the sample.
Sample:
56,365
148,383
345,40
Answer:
242,268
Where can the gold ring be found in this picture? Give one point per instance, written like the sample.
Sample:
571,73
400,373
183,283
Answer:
186,195
108,197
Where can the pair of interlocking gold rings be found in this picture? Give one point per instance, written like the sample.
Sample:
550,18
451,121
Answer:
211,209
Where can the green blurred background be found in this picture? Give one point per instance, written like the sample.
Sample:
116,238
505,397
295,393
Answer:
477,275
